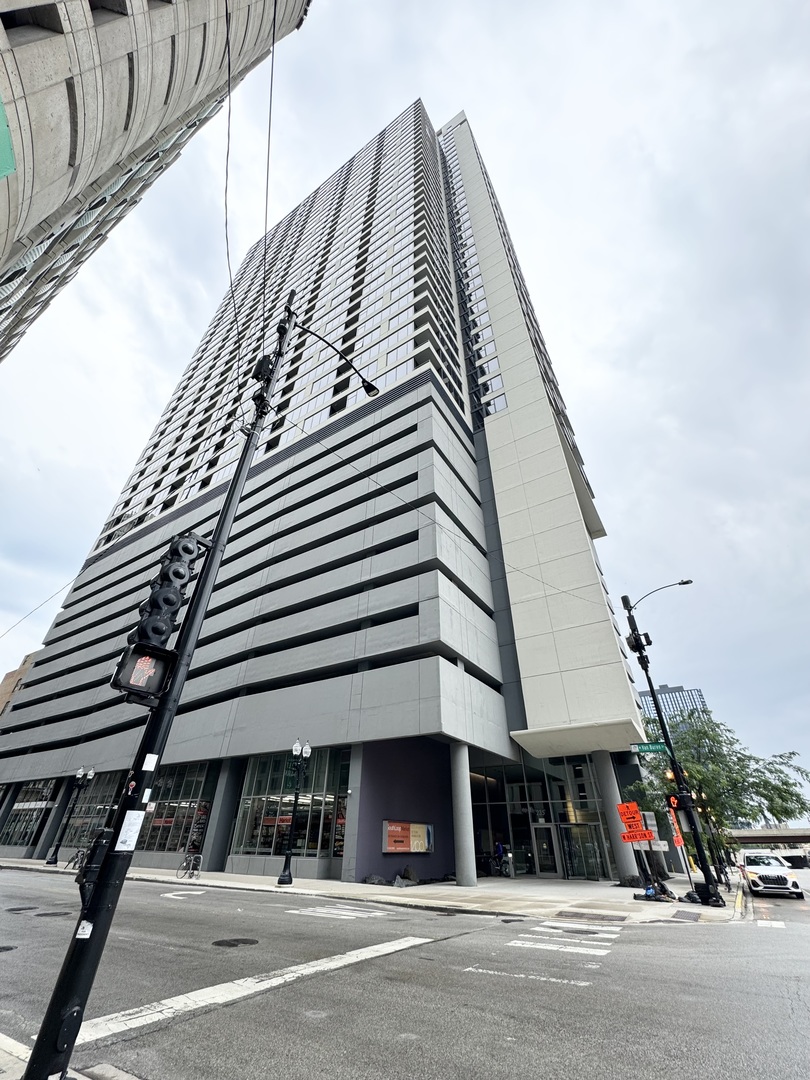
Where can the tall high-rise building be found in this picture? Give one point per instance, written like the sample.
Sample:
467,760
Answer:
97,99
410,585
673,700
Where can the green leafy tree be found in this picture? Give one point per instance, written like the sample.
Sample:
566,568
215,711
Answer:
733,785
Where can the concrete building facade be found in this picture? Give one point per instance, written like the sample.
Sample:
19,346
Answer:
97,99
411,582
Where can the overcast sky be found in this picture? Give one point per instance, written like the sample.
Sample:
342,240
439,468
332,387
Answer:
652,161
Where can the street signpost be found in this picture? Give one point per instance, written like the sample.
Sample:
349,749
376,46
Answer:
649,748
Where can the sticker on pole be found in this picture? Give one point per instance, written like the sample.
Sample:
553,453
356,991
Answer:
130,830
85,929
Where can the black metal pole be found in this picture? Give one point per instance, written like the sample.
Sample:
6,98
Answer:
285,877
78,785
685,796
111,854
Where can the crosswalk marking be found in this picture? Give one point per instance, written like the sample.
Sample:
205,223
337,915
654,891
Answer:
771,922
596,936
558,947
338,911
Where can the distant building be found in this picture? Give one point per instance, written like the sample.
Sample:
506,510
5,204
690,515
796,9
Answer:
12,679
97,98
411,582
673,700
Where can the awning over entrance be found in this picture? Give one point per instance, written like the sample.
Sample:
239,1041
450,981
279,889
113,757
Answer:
579,738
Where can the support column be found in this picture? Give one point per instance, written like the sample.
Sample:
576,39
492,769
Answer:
223,813
462,815
609,788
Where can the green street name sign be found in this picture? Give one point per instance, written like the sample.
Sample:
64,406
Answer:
649,748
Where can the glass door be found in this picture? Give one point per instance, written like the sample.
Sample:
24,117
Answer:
582,852
548,863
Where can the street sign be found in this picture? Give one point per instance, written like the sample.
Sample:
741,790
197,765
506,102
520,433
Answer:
649,748
638,835
629,811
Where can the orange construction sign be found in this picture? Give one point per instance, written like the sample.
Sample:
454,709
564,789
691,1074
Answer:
638,835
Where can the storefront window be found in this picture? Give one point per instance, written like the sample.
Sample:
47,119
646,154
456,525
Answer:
265,812
94,803
177,813
26,821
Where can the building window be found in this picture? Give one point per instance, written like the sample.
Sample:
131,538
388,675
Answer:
177,812
265,810
92,807
27,819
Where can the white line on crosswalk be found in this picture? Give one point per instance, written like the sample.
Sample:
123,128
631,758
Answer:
582,926
771,922
339,912
558,947
225,993
579,941
547,928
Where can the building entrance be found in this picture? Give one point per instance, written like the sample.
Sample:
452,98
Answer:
569,851
547,859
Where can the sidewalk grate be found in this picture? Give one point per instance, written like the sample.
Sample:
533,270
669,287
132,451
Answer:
687,916
590,916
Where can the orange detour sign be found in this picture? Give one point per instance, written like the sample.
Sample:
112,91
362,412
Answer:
638,835
628,811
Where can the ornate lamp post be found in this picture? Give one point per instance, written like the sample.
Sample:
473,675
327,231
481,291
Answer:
300,761
638,644
80,782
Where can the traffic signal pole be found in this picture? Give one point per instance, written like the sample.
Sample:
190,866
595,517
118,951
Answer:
102,877
638,643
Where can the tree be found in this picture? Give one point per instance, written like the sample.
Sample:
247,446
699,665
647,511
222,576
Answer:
733,785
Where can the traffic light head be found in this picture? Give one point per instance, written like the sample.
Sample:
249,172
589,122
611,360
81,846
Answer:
159,610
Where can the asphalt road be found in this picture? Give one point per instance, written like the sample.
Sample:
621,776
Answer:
461,996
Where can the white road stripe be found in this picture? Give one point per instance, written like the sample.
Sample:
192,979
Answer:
517,975
233,991
554,930
771,922
578,940
558,948
341,911
582,926
14,1049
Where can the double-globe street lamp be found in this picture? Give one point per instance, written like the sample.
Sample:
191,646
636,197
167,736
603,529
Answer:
638,644
80,782
299,763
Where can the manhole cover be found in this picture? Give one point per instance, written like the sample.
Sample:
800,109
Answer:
512,920
7,948
50,914
235,942
17,910
687,916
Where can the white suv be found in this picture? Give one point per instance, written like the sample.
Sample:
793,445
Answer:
767,872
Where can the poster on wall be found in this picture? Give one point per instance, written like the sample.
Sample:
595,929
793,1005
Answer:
407,837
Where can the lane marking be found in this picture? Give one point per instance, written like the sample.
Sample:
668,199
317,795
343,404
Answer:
552,945
566,939
224,993
771,922
339,911
183,895
15,1049
583,926
591,937
538,978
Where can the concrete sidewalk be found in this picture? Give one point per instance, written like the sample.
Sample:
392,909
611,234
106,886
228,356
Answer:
532,897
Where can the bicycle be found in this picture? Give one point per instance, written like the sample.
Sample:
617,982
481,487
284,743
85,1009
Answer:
499,869
191,866
76,861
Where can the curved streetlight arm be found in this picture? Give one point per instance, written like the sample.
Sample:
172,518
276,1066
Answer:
672,584
369,387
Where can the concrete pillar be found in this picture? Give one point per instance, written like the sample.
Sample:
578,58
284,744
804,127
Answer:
55,816
609,789
352,827
462,815
223,813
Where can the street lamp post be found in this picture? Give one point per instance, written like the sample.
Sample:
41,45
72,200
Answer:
80,782
299,763
638,644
